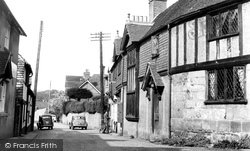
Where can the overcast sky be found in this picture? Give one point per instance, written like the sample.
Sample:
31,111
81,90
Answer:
66,47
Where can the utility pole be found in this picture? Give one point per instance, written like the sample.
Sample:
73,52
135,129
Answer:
101,37
37,68
38,57
49,95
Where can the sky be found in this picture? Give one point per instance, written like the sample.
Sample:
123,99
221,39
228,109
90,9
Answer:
66,47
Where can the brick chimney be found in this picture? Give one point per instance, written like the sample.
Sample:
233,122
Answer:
156,7
86,74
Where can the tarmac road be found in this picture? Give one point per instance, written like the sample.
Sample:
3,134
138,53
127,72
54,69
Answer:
92,140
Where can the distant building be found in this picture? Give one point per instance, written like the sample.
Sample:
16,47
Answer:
86,79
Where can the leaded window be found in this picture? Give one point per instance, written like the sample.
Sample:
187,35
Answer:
227,84
224,24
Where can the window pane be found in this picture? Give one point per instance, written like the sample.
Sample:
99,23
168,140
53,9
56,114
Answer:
215,28
229,85
131,79
225,23
234,21
211,85
239,79
220,83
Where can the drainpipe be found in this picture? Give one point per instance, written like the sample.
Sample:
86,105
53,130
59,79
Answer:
169,110
170,83
122,94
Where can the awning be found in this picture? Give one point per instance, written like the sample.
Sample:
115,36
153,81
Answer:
152,76
5,65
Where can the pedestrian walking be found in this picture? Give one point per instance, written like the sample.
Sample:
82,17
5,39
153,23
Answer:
105,130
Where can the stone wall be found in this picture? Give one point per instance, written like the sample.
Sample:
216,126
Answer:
190,114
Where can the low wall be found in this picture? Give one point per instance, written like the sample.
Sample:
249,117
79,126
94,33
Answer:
38,113
94,120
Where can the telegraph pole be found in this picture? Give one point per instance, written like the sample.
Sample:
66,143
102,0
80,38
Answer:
38,57
37,68
101,37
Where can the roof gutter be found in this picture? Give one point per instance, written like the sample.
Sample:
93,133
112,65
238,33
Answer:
189,15
15,21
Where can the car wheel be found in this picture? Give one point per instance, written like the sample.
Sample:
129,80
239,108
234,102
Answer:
73,127
52,127
85,128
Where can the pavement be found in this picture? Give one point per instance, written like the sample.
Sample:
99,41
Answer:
34,134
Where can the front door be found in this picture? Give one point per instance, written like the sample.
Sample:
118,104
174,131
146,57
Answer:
155,111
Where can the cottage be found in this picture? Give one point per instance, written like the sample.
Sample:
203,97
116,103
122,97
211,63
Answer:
190,71
25,99
9,42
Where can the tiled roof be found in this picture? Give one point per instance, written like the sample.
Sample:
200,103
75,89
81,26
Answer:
117,48
180,9
151,72
136,31
73,81
18,27
74,78
95,78
72,84
4,58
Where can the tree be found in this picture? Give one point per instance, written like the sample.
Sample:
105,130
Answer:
78,93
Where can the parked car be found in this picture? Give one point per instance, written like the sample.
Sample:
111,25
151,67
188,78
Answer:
78,121
45,121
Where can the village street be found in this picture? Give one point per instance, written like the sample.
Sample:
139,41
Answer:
92,140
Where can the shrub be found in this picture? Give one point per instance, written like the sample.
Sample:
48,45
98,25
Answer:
243,143
181,141
78,93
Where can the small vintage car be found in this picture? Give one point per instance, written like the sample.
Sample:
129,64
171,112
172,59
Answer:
45,121
78,121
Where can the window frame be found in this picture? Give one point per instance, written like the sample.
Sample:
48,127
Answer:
3,92
119,68
7,35
132,107
220,12
155,46
226,87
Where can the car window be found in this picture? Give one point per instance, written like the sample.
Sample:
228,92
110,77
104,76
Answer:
79,117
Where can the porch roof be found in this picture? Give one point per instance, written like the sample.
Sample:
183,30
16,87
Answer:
152,74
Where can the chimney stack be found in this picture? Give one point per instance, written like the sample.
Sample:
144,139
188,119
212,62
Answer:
86,74
156,7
